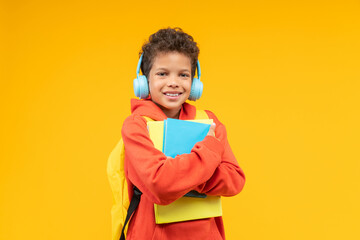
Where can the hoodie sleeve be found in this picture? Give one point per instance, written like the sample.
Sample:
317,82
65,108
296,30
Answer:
162,179
228,178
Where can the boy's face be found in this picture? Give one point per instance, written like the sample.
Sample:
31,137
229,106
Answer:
170,82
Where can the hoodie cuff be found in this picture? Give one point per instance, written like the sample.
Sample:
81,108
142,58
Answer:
214,145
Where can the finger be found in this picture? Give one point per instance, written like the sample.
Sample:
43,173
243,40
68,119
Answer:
212,129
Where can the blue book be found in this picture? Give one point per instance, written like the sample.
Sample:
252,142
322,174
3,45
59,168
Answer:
180,136
175,137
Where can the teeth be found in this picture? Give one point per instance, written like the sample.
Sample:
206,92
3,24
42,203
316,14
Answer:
172,94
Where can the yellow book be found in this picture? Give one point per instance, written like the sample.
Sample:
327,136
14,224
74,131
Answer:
188,208
184,208
156,132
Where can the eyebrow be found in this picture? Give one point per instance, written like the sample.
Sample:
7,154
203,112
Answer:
181,70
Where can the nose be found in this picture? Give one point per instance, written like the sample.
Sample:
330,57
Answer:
173,82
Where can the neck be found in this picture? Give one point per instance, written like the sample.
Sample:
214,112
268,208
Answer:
174,113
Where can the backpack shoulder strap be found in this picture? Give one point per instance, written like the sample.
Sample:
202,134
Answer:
201,114
135,200
148,119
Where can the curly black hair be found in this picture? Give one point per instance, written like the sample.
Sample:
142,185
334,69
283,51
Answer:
168,40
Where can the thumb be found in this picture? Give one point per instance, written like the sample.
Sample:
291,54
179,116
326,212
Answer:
212,130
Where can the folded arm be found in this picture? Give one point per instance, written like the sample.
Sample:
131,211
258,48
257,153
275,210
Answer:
228,178
163,179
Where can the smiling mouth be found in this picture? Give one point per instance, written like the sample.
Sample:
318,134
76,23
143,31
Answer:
172,94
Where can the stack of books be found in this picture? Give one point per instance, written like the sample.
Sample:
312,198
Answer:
175,137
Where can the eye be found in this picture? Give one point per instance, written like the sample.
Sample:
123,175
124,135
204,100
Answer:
184,75
161,74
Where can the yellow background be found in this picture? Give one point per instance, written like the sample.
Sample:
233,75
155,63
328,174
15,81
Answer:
283,76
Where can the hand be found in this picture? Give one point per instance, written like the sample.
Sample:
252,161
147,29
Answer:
212,130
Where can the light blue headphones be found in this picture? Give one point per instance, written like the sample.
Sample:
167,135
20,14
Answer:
141,86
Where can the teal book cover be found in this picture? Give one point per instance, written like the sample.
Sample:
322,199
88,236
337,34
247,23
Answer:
180,136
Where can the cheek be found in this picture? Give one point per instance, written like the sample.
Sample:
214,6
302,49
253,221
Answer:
189,85
154,86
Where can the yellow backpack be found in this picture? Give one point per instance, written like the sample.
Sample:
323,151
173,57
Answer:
118,184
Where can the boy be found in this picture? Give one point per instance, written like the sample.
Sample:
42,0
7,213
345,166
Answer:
169,64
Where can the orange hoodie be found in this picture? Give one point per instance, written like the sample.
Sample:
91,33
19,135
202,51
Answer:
210,168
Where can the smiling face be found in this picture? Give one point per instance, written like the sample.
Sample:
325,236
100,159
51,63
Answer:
170,82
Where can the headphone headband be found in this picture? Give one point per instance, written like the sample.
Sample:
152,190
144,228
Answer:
198,69
140,61
139,65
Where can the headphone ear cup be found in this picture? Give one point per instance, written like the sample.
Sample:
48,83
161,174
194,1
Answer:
141,87
196,89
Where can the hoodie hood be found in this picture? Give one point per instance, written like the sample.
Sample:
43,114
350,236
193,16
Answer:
148,108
